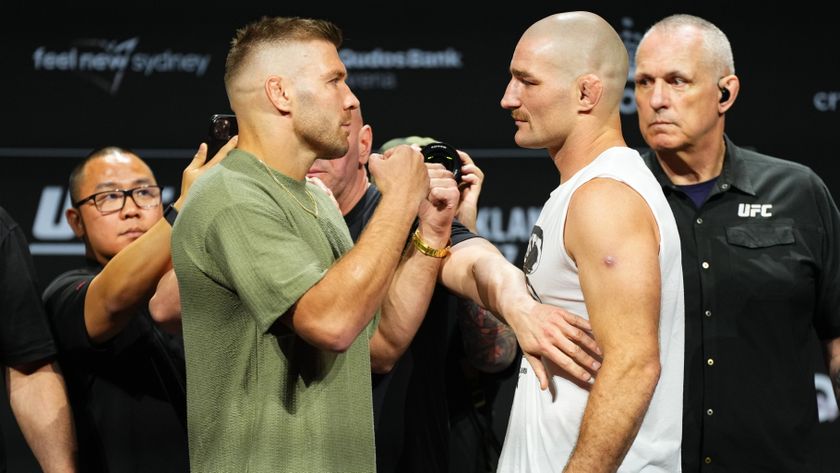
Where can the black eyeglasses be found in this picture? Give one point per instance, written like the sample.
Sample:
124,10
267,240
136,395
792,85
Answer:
145,197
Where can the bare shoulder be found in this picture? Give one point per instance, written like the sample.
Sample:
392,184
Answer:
606,212
605,198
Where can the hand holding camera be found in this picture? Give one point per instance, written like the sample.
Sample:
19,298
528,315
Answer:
442,153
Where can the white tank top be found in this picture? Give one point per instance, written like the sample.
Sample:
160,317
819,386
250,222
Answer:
543,430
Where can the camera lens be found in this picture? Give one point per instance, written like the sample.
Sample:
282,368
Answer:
221,129
444,154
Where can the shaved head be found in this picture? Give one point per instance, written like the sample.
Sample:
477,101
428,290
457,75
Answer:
568,73
111,152
579,43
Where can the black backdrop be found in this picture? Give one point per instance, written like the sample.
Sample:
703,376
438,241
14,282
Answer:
149,80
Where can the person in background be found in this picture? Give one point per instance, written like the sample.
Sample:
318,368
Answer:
125,377
34,382
761,261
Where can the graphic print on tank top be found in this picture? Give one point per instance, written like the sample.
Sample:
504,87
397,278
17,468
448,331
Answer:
532,258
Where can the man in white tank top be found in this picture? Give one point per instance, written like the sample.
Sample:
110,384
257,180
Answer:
605,247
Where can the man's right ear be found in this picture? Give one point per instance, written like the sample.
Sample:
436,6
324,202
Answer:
74,218
277,93
365,143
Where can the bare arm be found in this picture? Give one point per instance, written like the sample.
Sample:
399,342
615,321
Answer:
478,271
612,236
403,308
489,344
39,401
113,296
332,313
407,300
832,353
165,305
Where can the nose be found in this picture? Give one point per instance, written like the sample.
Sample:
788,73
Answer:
130,209
351,101
510,100
659,97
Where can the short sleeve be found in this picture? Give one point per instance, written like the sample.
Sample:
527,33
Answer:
268,264
460,233
827,315
24,332
65,303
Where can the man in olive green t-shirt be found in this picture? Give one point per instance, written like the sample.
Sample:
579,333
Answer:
267,390
277,305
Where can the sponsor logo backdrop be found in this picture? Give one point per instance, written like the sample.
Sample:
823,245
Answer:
149,80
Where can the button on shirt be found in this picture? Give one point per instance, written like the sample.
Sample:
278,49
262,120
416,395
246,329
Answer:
762,275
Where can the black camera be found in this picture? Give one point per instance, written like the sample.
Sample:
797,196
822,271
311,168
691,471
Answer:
223,127
442,153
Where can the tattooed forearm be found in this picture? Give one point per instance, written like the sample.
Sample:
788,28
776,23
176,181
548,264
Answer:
490,345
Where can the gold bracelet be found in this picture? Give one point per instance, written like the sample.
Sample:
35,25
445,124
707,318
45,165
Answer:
427,250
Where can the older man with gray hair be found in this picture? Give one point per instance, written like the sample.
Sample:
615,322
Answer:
761,261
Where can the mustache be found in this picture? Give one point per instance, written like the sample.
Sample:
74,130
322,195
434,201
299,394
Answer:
519,116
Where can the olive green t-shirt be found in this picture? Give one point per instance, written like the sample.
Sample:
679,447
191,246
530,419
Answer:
259,398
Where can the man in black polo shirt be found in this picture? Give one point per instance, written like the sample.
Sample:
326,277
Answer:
35,386
125,376
761,261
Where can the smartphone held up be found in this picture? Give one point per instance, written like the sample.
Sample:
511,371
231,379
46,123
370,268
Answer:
222,128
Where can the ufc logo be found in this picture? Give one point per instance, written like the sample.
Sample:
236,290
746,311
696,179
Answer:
751,210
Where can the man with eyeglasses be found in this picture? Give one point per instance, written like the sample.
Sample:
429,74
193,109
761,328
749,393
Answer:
125,376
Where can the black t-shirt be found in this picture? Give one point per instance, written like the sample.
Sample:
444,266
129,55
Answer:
24,334
761,268
127,394
411,418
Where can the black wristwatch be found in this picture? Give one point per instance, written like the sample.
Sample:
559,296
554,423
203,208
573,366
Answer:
170,214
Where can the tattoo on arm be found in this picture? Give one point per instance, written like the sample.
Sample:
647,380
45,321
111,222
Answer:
490,345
